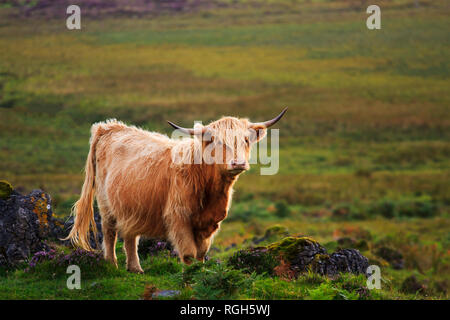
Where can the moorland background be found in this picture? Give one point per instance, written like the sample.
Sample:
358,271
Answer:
364,147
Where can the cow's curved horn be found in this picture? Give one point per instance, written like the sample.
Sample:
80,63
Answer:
190,131
268,123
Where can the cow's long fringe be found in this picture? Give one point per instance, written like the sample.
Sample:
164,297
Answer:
83,209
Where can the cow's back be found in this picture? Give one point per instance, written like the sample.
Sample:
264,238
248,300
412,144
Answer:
132,177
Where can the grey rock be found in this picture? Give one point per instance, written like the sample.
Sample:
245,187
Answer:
27,222
344,260
166,294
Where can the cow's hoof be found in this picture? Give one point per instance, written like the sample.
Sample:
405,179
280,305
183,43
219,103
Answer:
112,261
135,270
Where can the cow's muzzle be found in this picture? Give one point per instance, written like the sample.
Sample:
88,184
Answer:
237,167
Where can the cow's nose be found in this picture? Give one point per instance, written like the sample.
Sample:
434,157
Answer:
239,164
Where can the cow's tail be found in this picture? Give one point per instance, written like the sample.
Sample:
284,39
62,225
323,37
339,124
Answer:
83,209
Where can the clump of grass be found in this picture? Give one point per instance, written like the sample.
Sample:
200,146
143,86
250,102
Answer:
219,282
343,287
282,209
163,263
417,208
248,210
421,207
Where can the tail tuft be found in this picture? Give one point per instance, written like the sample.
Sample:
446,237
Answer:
83,209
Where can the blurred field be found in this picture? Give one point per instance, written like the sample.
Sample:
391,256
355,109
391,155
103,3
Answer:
368,118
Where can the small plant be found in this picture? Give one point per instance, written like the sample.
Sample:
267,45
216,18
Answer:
386,208
219,283
348,211
78,257
248,210
190,271
282,209
55,262
327,291
154,247
417,208
163,264
311,278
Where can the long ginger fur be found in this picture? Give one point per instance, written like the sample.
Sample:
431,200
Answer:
140,191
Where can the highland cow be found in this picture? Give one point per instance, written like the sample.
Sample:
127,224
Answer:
142,191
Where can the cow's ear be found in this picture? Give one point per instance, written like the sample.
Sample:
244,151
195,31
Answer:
257,133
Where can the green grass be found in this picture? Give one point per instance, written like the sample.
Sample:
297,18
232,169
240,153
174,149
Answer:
367,126
216,280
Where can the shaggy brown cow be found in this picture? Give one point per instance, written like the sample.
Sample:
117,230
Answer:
142,191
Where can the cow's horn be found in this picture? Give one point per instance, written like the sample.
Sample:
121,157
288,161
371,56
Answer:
186,130
268,123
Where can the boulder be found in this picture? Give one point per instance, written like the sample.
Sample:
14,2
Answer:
166,294
300,255
27,222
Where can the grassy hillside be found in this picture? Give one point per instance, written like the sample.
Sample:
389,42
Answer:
367,127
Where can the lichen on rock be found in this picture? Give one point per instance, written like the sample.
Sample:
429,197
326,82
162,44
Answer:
21,232
26,223
5,189
297,250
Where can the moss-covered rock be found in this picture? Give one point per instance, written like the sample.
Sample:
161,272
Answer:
258,260
297,250
5,189
302,254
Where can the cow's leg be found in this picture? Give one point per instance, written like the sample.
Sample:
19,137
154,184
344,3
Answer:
130,246
109,231
109,242
182,238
